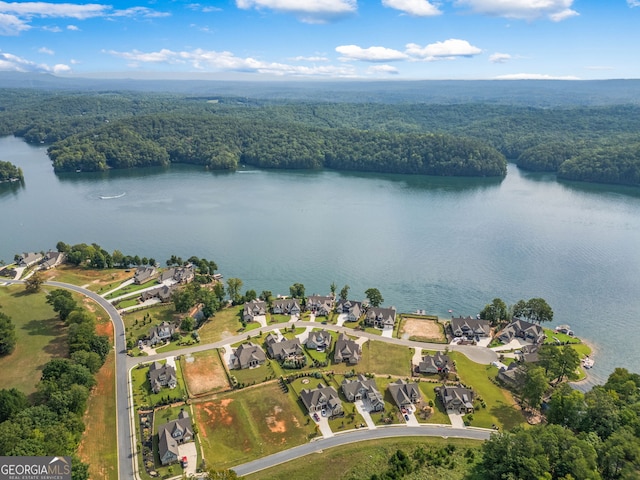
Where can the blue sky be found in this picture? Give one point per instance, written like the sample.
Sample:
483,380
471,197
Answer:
325,39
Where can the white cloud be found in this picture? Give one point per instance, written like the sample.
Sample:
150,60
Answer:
308,11
417,8
53,29
534,76
555,10
73,28
227,61
633,3
203,8
309,59
12,63
12,25
499,57
138,12
46,50
387,69
447,50
371,54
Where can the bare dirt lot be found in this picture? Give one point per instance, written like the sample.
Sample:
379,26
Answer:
422,329
204,373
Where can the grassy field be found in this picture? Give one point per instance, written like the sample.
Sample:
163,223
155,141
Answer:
501,407
226,323
381,357
251,423
40,337
99,445
134,321
94,280
362,460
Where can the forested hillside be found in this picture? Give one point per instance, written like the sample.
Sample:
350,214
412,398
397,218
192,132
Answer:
97,131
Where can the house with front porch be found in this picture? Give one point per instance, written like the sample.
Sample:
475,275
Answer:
284,349
162,375
456,399
436,363
365,389
286,306
405,393
527,331
144,273
469,327
161,333
346,350
380,317
319,340
322,398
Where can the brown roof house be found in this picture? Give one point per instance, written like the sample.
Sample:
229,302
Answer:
248,355
456,399
351,308
322,398
162,293
404,393
171,435
253,309
161,333
319,305
365,389
437,363
470,327
346,350
380,317
162,375
286,306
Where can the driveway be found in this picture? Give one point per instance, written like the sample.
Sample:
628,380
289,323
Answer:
323,425
456,420
417,358
387,332
261,319
189,450
228,352
365,414
341,319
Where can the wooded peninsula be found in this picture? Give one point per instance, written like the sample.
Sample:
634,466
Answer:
95,131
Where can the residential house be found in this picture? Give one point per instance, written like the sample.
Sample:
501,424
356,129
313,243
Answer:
163,293
319,340
286,306
144,274
512,376
248,355
161,333
319,305
529,353
365,389
28,259
351,308
322,398
437,363
181,275
346,350
162,375
283,349
456,399
171,435
52,259
404,393
530,332
252,309
470,327
380,317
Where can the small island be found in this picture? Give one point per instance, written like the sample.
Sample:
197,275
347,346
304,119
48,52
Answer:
10,173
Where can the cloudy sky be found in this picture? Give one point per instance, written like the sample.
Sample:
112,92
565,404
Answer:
367,39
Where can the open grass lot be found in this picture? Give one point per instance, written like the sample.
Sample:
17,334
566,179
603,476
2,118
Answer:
421,329
95,280
226,323
131,289
203,372
99,445
40,337
501,407
381,357
362,460
251,423
142,394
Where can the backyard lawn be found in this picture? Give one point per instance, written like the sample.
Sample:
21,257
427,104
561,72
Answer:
142,394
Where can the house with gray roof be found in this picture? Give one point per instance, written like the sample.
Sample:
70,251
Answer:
182,275
512,376
284,349
162,375
530,332
470,327
365,389
319,340
437,363
248,355
404,393
52,259
320,305
161,333
162,293
351,308
286,306
456,399
322,398
28,259
171,435
144,273
252,309
380,317
346,350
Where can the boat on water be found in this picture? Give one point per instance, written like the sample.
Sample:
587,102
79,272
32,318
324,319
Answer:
109,197
587,362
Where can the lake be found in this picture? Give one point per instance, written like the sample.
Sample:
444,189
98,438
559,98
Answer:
429,243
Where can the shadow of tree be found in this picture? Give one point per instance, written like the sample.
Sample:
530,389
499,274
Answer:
509,415
50,327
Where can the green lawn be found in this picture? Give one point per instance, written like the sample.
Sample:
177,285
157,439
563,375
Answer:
385,358
131,289
142,394
362,460
40,337
439,415
251,376
251,423
94,280
501,407
224,323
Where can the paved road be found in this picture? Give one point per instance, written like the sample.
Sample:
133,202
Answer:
359,436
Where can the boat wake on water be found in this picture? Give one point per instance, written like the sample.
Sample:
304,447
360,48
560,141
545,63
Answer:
109,197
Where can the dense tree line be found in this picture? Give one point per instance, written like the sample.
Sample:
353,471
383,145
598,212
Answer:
94,256
51,424
9,172
7,335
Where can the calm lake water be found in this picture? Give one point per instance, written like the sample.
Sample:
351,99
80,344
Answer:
437,244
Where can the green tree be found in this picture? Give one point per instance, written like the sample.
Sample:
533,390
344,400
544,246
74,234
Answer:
566,407
332,288
344,293
297,290
33,283
374,296
7,335
62,302
234,285
12,401
534,386
219,292
250,295
539,310
187,324
495,312
222,475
